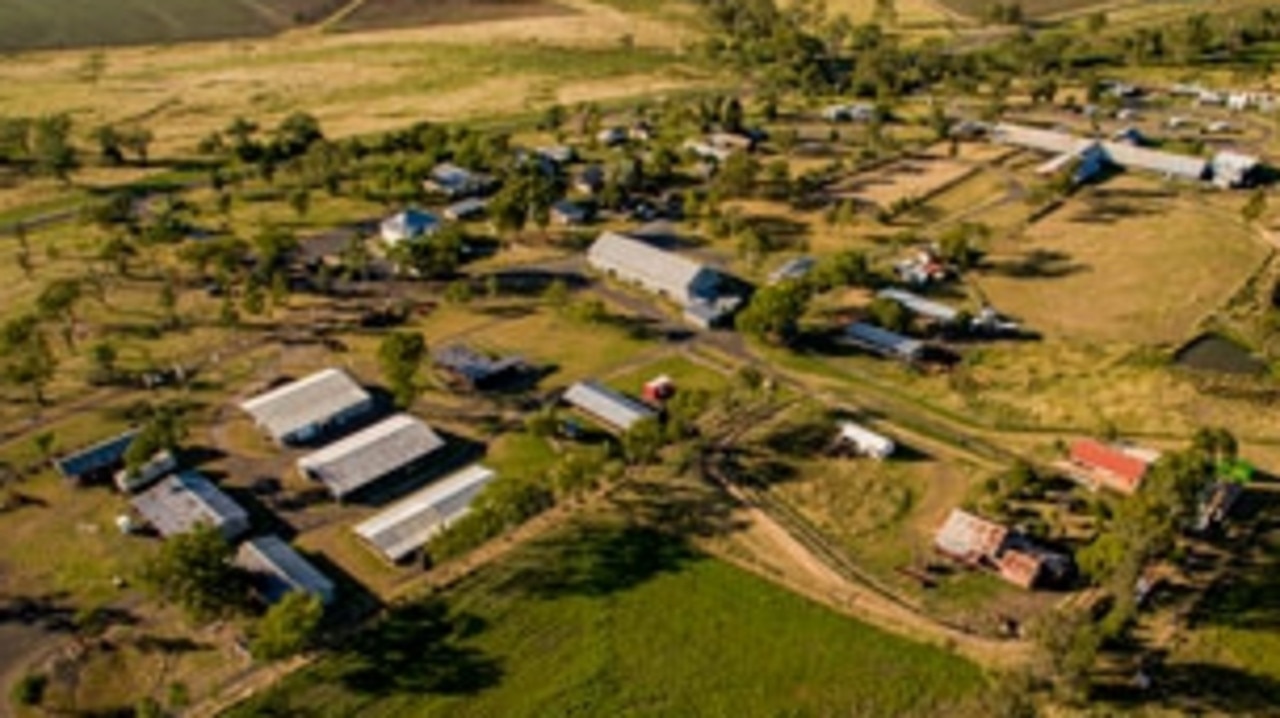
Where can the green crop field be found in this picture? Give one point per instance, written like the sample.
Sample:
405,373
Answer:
387,14
33,24
607,620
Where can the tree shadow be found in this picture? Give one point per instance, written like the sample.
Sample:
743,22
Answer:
419,649
1197,689
1036,264
683,508
598,559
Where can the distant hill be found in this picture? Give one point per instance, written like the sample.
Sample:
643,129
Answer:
50,24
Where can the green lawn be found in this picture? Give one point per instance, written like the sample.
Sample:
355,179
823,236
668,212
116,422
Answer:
607,620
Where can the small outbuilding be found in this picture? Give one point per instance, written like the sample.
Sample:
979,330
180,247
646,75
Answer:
407,525
181,502
278,569
97,462
883,342
391,446
865,441
469,208
469,369
301,411
615,410
1120,468
407,226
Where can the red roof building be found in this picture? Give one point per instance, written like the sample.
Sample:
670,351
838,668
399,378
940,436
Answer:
1111,466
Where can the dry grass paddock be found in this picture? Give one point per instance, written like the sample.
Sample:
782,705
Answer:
1125,262
915,177
357,82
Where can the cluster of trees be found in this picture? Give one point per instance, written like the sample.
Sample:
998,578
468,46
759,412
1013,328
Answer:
195,572
38,144
401,355
775,311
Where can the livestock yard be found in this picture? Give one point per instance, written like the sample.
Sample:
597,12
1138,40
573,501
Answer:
549,358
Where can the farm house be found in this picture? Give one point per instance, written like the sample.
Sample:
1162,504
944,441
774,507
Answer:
277,569
456,182
865,441
980,543
406,526
407,226
606,405
181,502
354,462
1120,468
300,411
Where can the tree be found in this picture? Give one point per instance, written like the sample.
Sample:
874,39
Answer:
29,691
194,571
1255,207
138,141
642,442
300,201
164,430
108,140
103,357
1068,645
401,355
888,314
774,312
737,175
288,627
51,147
26,361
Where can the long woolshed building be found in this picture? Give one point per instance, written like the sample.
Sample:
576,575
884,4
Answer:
302,410
883,342
180,503
692,285
278,569
410,523
97,461
354,462
616,410
1227,169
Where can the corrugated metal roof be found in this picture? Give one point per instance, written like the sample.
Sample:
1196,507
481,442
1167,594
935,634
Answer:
1120,153
282,569
102,455
605,404
358,460
883,340
970,537
183,501
1125,466
639,261
1165,163
314,400
1036,138
866,440
920,305
409,524
472,365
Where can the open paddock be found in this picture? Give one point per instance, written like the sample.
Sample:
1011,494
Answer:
392,14
916,177
1126,262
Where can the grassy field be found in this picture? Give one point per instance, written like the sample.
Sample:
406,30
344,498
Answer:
359,82
617,620
387,14
32,24
1151,265
1032,8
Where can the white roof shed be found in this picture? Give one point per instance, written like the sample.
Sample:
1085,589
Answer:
356,461
616,410
181,502
407,525
280,569
300,410
678,278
